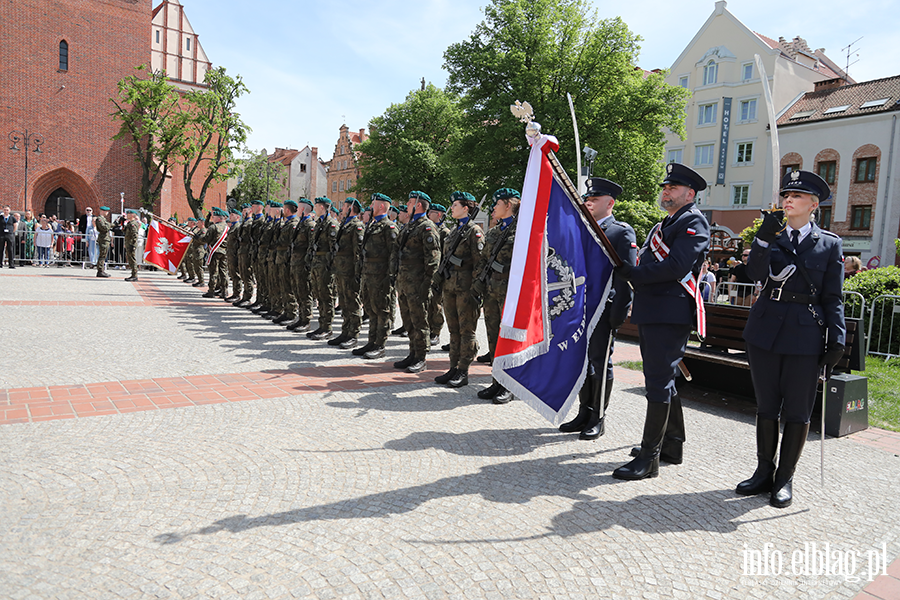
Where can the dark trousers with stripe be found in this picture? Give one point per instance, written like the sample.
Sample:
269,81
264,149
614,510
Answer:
785,384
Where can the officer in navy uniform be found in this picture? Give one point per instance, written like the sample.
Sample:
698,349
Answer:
664,311
595,393
794,329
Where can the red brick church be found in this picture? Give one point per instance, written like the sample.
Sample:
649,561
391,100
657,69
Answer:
61,62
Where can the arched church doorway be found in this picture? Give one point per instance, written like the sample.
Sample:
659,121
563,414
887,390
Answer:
60,203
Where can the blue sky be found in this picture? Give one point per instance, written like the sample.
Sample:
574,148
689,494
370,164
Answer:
311,66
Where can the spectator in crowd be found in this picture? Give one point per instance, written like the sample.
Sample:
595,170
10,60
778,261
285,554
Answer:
26,237
744,293
852,266
86,229
70,242
8,223
118,246
43,241
707,282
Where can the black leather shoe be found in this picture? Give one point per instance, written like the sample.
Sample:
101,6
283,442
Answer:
491,391
435,341
363,349
231,298
299,327
445,347
283,319
416,366
348,343
376,352
209,295
287,324
182,277
580,420
338,340
241,303
503,396
399,331
102,274
485,358
402,364
198,284
324,334
443,379
461,379
190,280
132,278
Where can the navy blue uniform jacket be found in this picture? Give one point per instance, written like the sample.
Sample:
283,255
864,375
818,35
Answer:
658,295
789,327
621,236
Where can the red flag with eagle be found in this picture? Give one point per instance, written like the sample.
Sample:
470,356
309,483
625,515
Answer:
166,246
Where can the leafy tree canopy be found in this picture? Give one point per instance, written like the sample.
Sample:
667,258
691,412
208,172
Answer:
258,178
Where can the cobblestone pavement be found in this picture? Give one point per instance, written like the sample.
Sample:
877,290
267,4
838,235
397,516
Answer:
393,488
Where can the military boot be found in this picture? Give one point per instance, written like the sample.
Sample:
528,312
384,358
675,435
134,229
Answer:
766,448
791,447
646,463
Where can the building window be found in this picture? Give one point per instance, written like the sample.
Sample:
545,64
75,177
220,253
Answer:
706,114
187,44
744,154
862,215
64,56
710,73
157,36
334,186
740,194
825,217
342,185
747,72
865,169
703,155
789,169
683,81
675,156
748,110
302,167
827,170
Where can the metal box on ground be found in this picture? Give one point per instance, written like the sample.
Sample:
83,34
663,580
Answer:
846,405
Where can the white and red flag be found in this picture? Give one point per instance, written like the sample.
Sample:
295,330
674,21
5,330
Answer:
165,246
559,280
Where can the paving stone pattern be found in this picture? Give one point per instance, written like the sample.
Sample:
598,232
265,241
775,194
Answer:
398,488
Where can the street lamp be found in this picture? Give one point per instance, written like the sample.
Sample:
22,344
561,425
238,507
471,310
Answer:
27,139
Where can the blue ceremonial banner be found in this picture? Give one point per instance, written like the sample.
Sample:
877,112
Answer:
548,371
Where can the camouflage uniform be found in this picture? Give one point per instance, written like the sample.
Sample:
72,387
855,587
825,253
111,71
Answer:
267,231
379,253
435,309
132,229
273,290
104,237
493,290
321,252
232,254
218,282
245,260
303,236
418,255
257,225
348,251
460,305
282,279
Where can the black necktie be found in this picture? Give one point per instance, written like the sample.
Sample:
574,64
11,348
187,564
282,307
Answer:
795,238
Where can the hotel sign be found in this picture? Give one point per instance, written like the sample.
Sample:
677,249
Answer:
723,140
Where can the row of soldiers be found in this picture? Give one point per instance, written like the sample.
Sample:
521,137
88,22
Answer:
284,258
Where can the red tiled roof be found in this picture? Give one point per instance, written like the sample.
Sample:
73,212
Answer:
823,67
851,96
284,156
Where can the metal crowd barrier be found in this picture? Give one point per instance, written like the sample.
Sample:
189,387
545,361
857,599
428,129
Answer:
68,250
884,327
733,294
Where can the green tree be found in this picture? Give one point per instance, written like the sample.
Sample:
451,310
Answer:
409,147
258,178
147,107
537,51
642,216
213,133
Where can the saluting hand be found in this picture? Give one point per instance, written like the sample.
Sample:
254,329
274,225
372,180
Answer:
773,224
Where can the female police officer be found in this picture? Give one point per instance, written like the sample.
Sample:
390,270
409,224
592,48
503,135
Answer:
795,328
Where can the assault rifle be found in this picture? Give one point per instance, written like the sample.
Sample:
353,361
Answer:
448,258
492,263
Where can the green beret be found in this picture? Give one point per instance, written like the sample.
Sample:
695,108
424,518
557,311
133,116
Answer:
438,207
323,200
462,197
257,202
292,203
218,212
277,204
234,211
368,209
506,194
420,195
192,220
131,211
245,205
104,208
353,202
402,208
379,197
305,201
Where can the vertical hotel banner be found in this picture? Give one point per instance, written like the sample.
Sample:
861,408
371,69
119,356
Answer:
723,140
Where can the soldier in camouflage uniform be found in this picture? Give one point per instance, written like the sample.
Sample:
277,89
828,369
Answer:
461,254
245,269
379,247
321,257
400,220
104,237
218,229
132,231
492,276
348,252
418,256
435,309
272,287
261,306
303,236
282,280
194,265
232,253
250,233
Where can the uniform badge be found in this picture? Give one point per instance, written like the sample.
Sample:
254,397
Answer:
669,168
691,231
429,239
795,175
